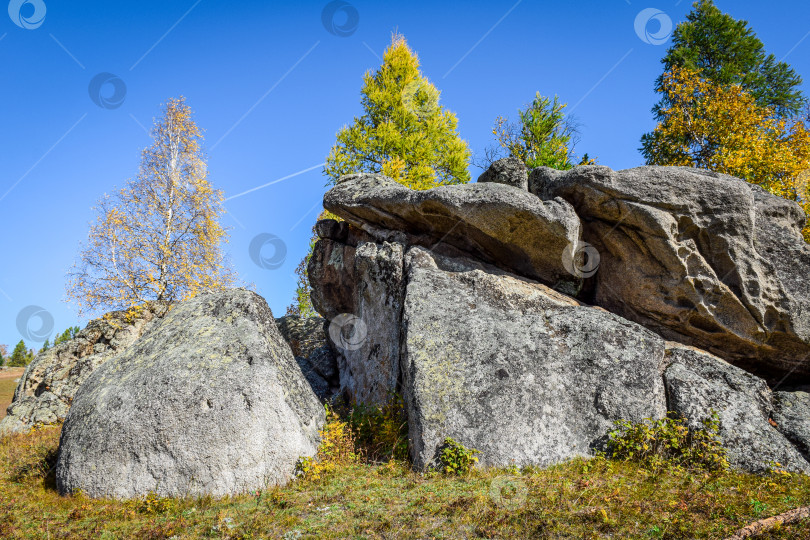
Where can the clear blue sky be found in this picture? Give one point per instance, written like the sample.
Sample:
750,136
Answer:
271,86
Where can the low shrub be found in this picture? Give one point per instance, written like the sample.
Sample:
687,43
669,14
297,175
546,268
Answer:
669,442
337,449
455,458
381,431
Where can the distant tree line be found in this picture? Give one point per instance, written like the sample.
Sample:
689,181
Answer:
21,356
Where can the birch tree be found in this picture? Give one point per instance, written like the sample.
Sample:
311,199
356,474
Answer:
159,238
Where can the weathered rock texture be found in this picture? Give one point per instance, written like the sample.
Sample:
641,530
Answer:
496,223
453,290
510,367
792,416
209,401
701,258
46,389
698,383
309,344
361,295
510,171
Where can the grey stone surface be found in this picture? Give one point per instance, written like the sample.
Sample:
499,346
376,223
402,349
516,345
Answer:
47,387
514,369
209,401
332,229
792,416
310,346
509,171
699,257
498,224
698,382
359,289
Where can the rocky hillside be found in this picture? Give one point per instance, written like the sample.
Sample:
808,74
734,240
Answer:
522,316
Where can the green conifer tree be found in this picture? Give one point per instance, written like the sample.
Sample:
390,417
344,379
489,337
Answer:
20,356
403,132
726,51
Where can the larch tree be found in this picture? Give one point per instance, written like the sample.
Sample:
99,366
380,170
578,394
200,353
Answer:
726,51
403,132
159,238
724,129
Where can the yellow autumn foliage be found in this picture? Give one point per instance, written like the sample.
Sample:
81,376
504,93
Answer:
159,237
721,128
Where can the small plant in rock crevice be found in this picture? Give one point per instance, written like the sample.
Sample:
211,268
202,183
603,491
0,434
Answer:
381,431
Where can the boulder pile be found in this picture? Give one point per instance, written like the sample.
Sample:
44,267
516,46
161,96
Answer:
49,383
524,314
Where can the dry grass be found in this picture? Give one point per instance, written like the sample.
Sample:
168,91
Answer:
7,386
578,499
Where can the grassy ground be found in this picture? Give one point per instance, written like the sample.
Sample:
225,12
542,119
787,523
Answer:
7,386
578,499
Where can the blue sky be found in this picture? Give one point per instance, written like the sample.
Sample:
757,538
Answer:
271,85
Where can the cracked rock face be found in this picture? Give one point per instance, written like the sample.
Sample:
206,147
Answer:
209,401
307,339
484,350
698,383
524,374
497,223
46,389
360,291
701,258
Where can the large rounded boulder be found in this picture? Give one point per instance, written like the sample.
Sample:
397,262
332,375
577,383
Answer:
209,401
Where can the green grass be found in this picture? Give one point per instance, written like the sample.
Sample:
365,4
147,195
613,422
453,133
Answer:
578,499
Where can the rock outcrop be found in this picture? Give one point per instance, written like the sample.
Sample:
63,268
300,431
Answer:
699,383
51,380
310,346
209,401
701,258
498,362
457,300
514,369
493,222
